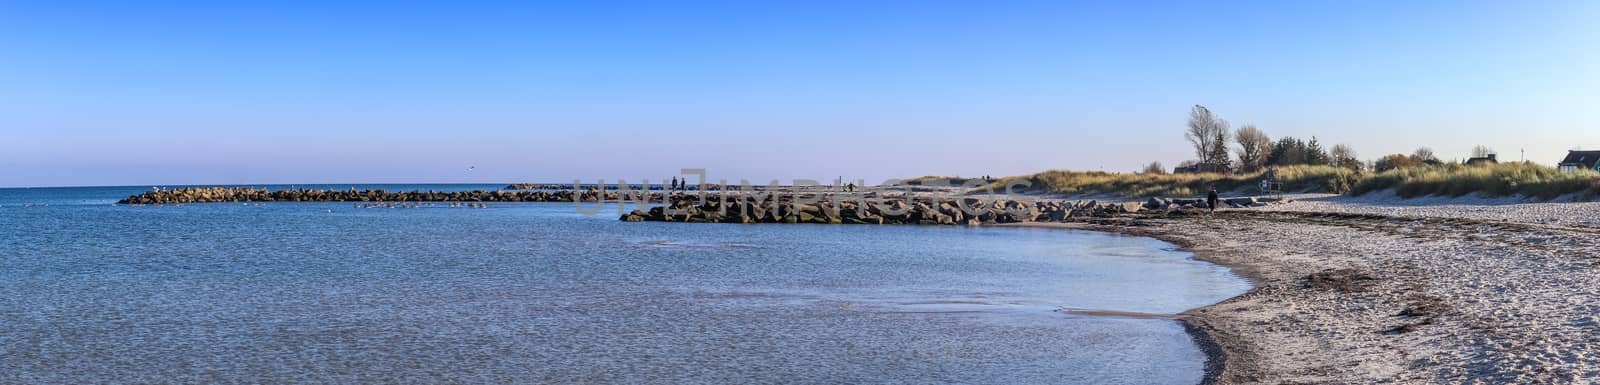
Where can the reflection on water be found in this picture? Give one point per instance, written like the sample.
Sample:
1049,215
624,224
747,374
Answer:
296,292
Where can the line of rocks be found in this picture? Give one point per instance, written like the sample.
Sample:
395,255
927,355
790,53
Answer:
533,186
547,186
1182,203
246,194
865,208
828,209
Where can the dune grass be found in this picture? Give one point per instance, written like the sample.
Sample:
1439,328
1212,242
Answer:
1497,180
1449,180
1294,179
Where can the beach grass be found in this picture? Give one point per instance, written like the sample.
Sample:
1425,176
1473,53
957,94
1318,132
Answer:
1292,178
1449,180
1492,180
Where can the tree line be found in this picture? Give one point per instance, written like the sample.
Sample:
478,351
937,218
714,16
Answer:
1253,150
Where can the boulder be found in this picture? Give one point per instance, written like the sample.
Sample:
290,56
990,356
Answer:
1131,207
809,209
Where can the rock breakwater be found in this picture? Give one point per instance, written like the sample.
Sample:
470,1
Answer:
246,194
871,209
736,207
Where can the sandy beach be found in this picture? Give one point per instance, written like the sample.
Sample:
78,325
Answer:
1381,290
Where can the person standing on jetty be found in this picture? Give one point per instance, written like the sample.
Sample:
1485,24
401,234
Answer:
1211,199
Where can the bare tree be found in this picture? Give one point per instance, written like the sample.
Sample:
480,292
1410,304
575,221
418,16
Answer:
1254,146
1425,155
1208,134
1344,156
1154,168
1482,151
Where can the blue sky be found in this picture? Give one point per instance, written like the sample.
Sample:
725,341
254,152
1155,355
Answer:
158,92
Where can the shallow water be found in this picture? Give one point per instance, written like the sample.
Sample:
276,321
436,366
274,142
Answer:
535,292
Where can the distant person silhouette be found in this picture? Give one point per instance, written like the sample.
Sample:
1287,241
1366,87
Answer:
1211,199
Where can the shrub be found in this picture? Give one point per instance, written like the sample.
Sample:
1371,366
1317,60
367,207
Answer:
1154,168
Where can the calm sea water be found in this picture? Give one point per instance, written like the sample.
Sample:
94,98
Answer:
91,292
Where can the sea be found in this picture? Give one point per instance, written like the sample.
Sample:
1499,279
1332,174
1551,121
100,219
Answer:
551,293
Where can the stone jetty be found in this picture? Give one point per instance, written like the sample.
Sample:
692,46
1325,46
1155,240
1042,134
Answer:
535,186
546,186
930,210
246,194
737,207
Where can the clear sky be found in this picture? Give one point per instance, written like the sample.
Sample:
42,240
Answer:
158,92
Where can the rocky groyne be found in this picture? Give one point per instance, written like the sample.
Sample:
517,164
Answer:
547,186
535,186
736,207
871,209
245,194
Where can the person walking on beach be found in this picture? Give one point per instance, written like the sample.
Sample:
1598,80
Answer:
1211,199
